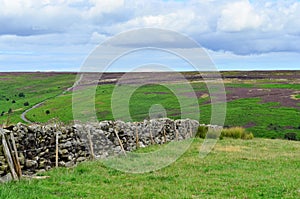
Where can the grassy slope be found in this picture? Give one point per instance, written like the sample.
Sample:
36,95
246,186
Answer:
36,87
270,119
256,168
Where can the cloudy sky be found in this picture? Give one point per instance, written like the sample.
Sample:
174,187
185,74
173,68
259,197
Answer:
58,35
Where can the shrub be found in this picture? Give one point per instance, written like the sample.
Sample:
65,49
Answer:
202,131
13,101
9,111
236,133
21,95
214,134
247,136
290,136
47,112
26,104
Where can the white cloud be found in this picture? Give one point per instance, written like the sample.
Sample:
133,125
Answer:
239,16
241,27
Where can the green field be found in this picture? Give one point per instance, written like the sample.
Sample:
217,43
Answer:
258,168
19,88
269,120
264,119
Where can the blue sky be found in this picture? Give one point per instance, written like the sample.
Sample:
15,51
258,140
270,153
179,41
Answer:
58,35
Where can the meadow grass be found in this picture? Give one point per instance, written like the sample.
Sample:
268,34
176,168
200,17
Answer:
270,120
258,168
35,87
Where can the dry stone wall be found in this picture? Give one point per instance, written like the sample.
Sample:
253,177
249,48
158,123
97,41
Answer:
40,147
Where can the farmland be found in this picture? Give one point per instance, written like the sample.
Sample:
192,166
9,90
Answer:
266,103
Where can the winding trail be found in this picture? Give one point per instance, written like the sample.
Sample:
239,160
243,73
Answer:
23,115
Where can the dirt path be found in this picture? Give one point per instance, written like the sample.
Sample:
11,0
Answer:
23,115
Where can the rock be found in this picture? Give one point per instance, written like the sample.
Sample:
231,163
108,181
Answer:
61,164
30,163
63,151
80,159
4,167
69,164
68,144
21,159
6,178
42,163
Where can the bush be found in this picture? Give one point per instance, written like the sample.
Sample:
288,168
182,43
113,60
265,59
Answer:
21,95
47,112
236,133
13,101
214,134
290,136
9,111
202,131
26,104
247,136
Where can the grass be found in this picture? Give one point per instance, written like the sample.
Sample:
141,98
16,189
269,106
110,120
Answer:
237,133
140,102
269,120
257,168
284,86
297,96
35,87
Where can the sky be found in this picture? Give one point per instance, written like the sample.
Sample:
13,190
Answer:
59,35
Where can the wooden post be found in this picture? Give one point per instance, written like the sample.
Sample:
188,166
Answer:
120,142
8,157
91,145
56,149
191,129
17,163
150,132
176,131
137,137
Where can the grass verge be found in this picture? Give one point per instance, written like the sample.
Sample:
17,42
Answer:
257,168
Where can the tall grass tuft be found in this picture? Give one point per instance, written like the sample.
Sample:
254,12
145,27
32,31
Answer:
202,131
237,133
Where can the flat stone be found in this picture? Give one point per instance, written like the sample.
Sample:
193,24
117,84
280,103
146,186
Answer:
30,163
81,159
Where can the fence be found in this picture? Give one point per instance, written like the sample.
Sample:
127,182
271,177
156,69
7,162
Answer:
34,148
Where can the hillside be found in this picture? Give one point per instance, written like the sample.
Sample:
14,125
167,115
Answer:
265,102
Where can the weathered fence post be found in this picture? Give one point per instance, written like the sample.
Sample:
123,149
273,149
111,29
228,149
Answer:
57,134
120,142
137,136
176,131
150,132
91,145
8,157
17,162
191,129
